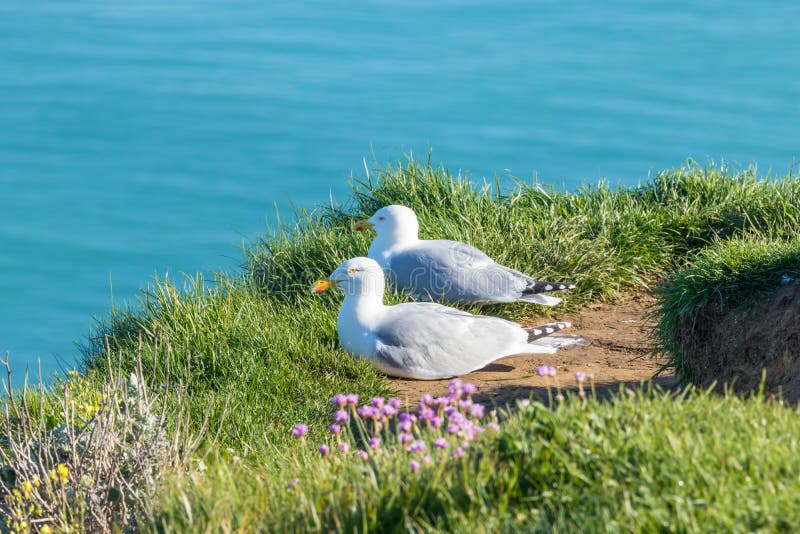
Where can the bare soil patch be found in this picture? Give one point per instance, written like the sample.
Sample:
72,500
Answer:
618,352
734,346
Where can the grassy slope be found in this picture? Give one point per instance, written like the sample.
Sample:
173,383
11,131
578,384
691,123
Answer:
647,463
261,341
729,273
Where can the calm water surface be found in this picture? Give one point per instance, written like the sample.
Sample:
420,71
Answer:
156,136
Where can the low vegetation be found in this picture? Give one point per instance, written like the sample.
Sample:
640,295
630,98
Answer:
254,354
85,457
641,462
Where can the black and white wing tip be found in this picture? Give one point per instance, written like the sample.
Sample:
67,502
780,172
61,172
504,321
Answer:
538,286
537,332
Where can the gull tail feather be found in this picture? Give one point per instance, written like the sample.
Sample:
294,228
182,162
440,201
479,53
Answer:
538,332
558,341
539,286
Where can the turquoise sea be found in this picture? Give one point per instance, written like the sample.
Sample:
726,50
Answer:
153,137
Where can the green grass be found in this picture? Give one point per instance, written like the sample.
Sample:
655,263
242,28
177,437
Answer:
259,340
643,463
728,274
270,362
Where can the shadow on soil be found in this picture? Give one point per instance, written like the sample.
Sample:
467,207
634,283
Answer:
501,395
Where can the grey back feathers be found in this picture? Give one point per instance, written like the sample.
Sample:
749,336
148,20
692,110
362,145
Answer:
450,271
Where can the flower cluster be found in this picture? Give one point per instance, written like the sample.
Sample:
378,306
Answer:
440,428
546,370
27,503
22,506
59,474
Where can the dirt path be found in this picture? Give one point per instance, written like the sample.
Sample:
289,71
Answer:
618,352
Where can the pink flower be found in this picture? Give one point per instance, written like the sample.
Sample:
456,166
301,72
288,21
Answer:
476,411
404,426
414,466
365,411
388,411
374,442
545,370
417,446
340,416
339,400
457,453
427,460
436,422
580,376
378,402
469,389
335,429
323,450
395,403
426,399
405,438
426,414
441,402
299,430
344,447
363,455
440,443
352,399
456,418
494,427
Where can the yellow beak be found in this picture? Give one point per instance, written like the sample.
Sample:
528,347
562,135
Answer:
360,226
322,284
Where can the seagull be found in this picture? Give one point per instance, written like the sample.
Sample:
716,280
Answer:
425,340
450,271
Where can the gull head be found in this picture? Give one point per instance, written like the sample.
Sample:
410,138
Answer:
396,223
355,276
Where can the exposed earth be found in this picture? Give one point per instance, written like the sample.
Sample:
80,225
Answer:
618,352
733,346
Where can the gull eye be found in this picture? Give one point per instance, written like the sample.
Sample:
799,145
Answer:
381,218
352,270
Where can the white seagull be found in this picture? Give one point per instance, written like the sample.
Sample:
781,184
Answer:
424,340
445,270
